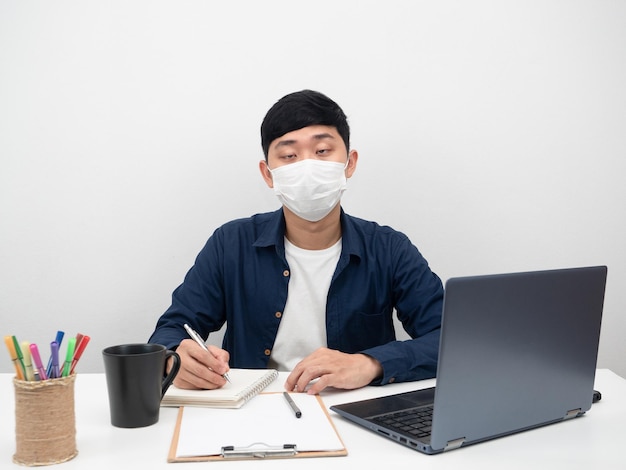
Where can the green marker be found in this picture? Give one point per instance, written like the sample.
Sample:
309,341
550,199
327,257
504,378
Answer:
71,344
20,357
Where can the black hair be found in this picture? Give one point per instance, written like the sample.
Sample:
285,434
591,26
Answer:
302,109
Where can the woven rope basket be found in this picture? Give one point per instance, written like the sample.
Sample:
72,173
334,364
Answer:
45,424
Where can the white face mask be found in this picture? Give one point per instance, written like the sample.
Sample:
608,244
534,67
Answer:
310,188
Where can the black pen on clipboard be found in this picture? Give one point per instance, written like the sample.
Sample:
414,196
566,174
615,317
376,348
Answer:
292,405
196,337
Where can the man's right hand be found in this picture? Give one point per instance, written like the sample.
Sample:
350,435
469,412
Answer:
200,369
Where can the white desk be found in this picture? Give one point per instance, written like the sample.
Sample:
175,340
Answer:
593,441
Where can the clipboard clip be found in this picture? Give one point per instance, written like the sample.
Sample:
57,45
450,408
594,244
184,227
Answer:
259,450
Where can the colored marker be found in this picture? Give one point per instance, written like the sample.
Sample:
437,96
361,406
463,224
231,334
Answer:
55,373
34,352
28,365
79,351
19,371
20,356
71,345
59,340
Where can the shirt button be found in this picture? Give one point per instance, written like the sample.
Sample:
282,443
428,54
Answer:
286,273
267,352
278,314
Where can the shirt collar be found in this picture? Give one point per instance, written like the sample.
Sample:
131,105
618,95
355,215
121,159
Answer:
273,231
273,234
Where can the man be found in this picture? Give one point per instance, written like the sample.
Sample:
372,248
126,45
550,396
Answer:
308,288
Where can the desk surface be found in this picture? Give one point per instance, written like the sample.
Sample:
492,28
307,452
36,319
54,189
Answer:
592,441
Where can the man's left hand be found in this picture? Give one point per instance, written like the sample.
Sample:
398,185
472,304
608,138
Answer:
331,368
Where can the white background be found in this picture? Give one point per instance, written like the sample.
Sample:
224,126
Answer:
493,133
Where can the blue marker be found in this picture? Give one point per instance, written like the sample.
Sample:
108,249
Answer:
54,357
58,340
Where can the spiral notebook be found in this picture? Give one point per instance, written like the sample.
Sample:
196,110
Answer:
244,384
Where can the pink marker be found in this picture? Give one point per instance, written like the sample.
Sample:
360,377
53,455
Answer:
34,352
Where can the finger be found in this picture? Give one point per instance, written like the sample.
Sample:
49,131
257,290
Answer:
198,376
195,370
290,383
193,382
202,356
310,375
206,376
220,365
219,353
320,384
294,382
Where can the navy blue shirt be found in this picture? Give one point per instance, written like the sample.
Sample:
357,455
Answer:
241,278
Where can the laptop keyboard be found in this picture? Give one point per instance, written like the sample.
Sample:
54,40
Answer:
416,422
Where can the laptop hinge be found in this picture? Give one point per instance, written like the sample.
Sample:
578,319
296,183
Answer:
455,444
572,413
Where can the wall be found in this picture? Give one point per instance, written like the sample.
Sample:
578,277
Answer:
491,132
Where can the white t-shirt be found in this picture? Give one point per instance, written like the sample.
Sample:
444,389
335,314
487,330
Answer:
302,327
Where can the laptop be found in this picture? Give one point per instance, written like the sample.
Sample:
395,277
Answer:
517,351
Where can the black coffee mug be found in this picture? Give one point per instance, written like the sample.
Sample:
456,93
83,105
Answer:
134,375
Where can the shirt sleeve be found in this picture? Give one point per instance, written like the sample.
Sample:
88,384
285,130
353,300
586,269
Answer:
419,300
198,301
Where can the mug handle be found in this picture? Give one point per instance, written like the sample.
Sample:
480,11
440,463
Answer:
169,378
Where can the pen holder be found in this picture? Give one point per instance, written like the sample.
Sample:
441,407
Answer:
45,424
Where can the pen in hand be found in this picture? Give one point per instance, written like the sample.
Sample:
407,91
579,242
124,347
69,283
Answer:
293,405
196,337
